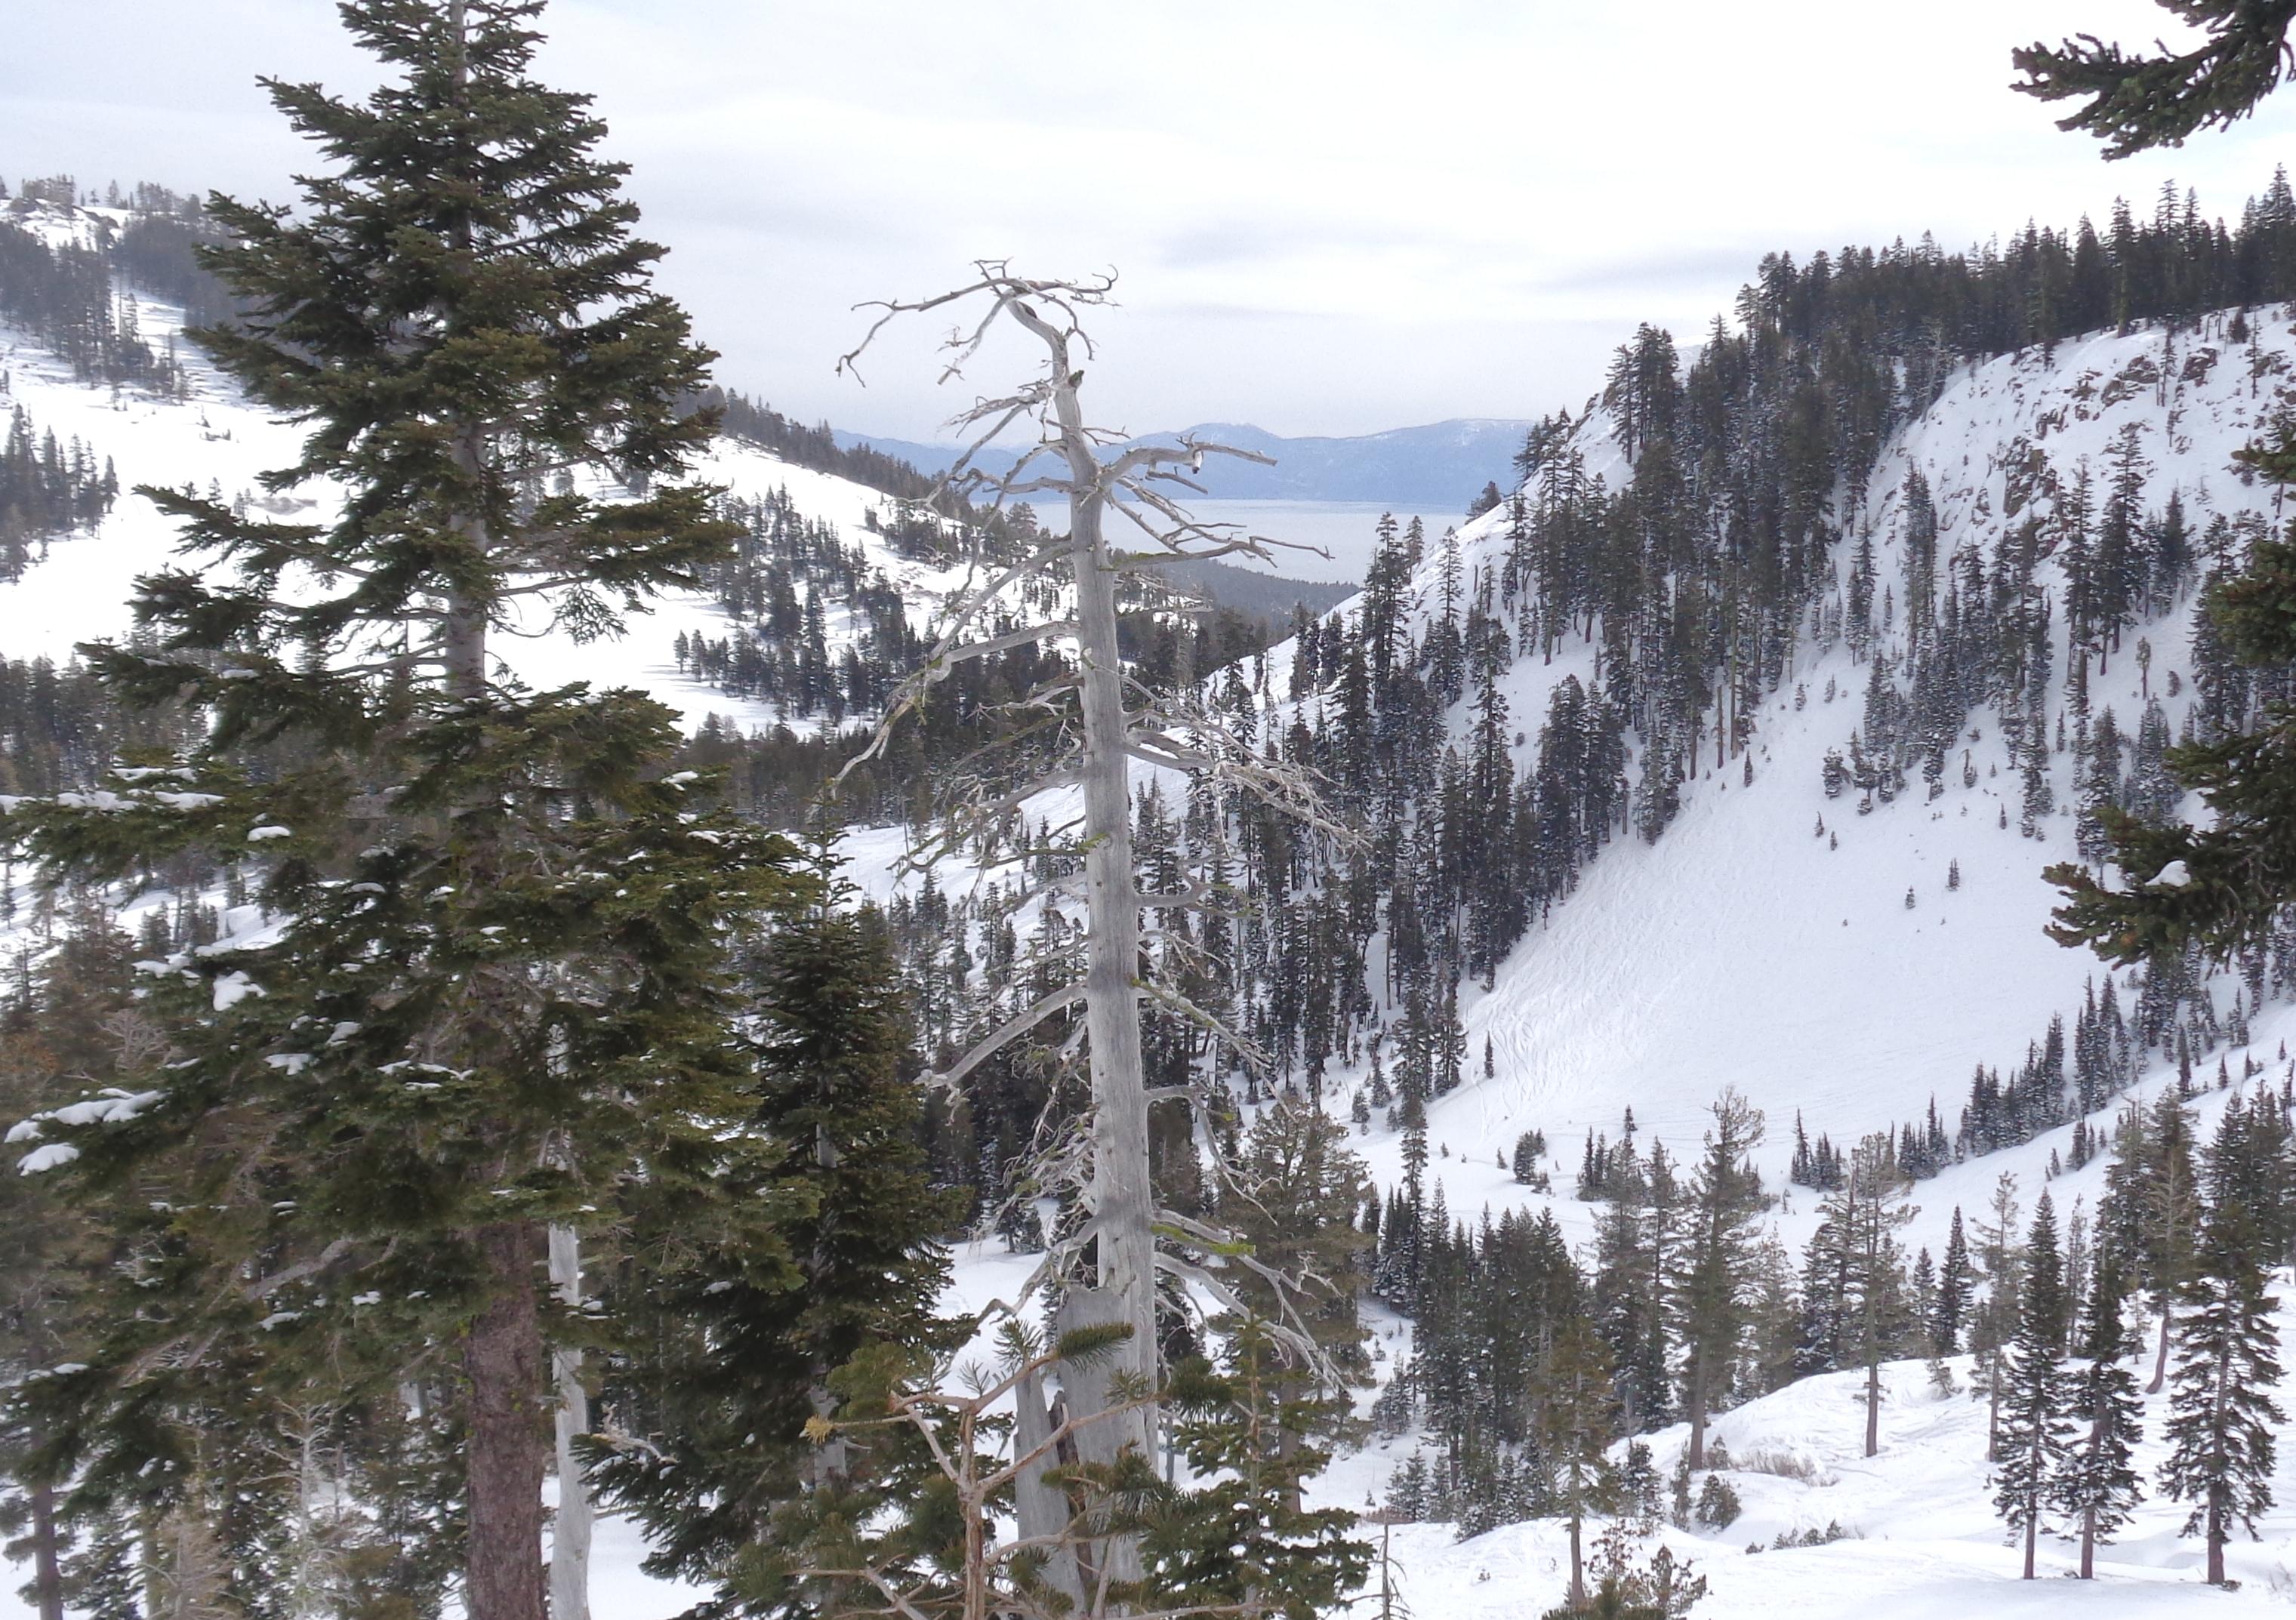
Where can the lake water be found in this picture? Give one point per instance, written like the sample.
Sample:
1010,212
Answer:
1344,529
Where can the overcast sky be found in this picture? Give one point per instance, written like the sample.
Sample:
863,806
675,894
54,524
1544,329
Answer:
1328,217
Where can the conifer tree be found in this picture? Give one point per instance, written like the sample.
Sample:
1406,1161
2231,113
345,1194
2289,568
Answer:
62,1030
2136,102
1575,1401
1856,1292
1956,1280
1291,1201
2162,1187
724,1432
494,1004
2227,1358
1243,1541
2030,1451
2002,1259
2097,1485
1712,1290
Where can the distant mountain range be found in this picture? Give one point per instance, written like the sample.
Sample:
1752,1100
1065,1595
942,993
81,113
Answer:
1444,464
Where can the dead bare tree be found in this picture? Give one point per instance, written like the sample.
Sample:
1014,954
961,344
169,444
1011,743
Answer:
1069,1516
1106,721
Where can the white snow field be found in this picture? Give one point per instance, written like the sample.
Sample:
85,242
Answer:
1742,949
1745,948
216,442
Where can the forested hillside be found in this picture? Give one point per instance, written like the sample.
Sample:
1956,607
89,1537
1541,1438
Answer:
1637,1032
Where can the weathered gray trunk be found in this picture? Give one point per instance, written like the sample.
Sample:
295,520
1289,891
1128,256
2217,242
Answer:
1119,1199
1091,1387
1121,1202
2160,1357
569,1542
1041,1508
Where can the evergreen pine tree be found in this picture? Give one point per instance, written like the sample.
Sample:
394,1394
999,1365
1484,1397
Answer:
2227,1358
1241,1542
1575,1402
495,1005
2097,1485
747,1346
2030,1451
1714,1283
1956,1280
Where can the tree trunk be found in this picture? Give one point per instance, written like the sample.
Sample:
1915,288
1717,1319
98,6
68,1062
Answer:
569,1539
506,1455
2088,1543
1122,1207
1578,1567
47,1577
2217,1537
1872,1406
1992,1405
1088,1387
2161,1358
1119,1199
1040,1509
2032,1537
1698,1411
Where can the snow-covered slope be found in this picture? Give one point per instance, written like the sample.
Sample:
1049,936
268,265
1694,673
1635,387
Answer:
1744,948
1919,1540
214,441
1748,948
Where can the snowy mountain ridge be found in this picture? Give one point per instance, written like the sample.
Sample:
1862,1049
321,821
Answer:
1836,973
212,439
1774,938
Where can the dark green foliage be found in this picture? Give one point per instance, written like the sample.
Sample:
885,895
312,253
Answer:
1710,1284
1717,1504
1955,1280
1243,1541
715,1411
1576,1407
1291,1199
2030,1448
2137,102
2227,1360
47,490
2097,1485
2215,888
493,995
